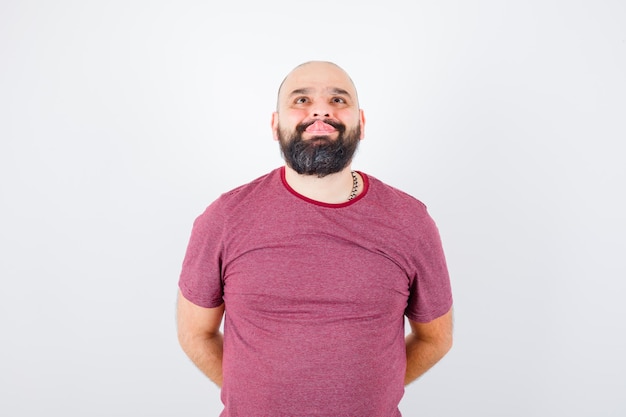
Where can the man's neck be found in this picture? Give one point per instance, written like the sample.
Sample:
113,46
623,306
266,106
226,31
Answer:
331,189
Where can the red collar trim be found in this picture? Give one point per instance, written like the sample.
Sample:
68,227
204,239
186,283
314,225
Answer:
366,186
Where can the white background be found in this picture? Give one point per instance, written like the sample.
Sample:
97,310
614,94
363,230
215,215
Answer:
121,120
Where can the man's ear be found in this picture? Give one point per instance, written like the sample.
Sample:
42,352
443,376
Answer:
362,120
275,125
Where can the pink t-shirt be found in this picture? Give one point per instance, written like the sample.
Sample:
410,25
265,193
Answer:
315,295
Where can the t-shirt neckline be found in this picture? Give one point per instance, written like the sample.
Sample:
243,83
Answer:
320,203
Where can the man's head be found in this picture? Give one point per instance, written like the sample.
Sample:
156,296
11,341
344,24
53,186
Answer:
318,122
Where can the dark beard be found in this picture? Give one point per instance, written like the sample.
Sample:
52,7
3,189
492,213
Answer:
319,155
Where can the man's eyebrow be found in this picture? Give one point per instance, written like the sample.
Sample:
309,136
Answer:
332,90
341,91
300,91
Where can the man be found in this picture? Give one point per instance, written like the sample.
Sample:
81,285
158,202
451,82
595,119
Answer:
315,267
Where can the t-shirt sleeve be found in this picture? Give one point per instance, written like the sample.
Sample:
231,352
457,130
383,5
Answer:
430,291
201,277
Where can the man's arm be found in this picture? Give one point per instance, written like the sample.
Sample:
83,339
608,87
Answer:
200,337
426,345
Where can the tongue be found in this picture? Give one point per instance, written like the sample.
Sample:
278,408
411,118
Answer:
319,126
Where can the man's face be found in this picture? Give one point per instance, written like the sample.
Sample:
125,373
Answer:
318,122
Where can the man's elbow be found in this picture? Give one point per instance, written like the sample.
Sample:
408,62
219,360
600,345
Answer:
186,341
442,344
446,345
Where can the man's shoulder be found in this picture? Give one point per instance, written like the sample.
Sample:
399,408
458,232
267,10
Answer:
245,196
392,196
245,189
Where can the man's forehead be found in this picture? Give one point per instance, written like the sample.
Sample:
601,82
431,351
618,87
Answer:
318,76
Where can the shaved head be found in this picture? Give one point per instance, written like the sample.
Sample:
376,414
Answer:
315,69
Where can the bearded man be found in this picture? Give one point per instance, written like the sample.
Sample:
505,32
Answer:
314,268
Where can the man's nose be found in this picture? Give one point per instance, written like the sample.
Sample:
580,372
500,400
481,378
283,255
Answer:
321,110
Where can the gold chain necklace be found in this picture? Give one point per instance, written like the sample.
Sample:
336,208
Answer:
355,185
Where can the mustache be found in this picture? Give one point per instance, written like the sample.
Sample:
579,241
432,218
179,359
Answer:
301,127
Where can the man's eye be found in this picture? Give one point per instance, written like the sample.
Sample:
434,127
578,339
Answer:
301,100
338,100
